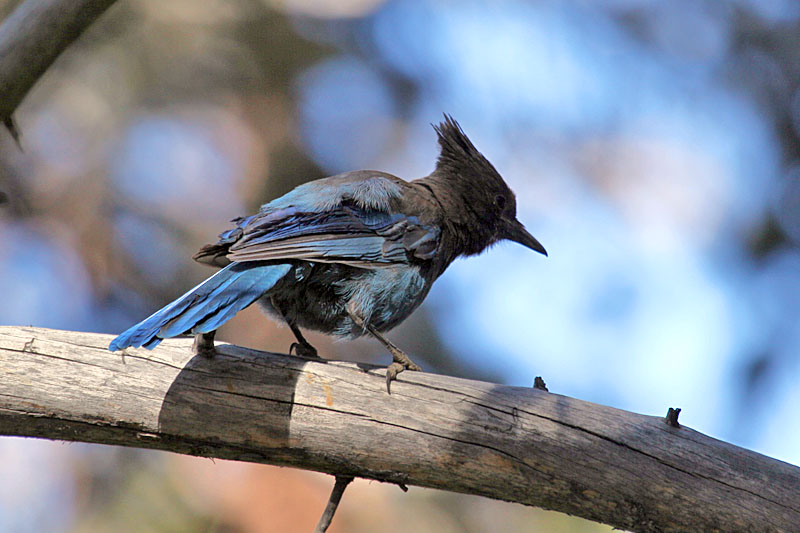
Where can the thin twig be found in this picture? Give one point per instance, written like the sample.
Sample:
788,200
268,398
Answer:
672,417
333,503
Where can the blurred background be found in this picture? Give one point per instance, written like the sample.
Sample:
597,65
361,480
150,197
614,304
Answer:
653,148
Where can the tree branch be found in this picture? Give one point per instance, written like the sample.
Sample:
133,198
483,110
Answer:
333,502
523,445
31,38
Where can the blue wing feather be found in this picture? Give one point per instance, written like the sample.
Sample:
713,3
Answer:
369,190
346,219
346,234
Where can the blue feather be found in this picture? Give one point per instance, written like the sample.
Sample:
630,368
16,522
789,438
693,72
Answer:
368,189
206,307
346,234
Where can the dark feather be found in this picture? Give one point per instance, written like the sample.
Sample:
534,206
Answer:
347,235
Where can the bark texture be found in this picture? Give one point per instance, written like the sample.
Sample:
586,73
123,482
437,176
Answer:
523,445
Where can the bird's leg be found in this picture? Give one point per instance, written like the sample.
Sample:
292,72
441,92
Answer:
302,346
400,361
204,344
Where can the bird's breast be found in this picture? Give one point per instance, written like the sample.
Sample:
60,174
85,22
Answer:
384,297
319,295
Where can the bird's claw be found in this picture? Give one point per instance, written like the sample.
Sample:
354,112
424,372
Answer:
413,366
397,367
209,352
304,350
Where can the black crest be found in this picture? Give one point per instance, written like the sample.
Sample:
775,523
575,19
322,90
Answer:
458,153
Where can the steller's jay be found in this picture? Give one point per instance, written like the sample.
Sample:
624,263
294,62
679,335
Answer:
348,254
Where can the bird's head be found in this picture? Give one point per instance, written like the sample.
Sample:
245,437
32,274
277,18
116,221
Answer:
483,206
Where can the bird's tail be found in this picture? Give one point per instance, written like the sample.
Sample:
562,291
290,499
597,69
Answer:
206,307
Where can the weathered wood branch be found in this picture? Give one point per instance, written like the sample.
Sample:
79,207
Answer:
522,445
32,37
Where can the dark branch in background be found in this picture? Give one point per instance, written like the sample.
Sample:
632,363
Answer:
524,445
31,38
333,503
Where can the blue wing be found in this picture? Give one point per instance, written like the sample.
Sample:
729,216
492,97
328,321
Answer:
347,234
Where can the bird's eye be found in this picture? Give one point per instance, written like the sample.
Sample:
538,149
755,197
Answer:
500,201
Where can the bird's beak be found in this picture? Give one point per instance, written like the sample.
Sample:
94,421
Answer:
516,232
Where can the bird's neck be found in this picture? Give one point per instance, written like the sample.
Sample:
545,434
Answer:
467,228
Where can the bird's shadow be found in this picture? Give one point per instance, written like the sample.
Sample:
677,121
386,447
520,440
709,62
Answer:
233,405
238,404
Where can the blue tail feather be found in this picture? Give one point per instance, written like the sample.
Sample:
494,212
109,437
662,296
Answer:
206,307
239,285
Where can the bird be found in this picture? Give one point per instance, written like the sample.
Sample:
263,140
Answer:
348,255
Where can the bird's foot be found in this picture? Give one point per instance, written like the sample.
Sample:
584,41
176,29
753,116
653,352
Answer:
401,362
304,349
204,344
